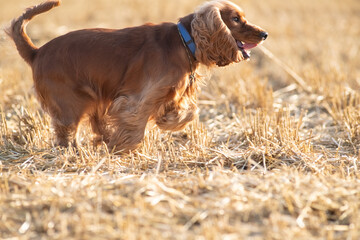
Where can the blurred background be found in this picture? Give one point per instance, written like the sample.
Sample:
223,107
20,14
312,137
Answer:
318,39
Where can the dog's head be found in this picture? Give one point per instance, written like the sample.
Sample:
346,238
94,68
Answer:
223,35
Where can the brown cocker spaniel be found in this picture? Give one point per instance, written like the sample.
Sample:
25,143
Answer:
121,79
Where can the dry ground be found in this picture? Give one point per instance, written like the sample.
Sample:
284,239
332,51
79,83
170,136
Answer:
267,159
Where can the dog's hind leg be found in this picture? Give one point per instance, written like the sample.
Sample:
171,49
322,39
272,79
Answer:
65,120
66,108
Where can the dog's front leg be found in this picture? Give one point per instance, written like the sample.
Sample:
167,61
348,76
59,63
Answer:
175,116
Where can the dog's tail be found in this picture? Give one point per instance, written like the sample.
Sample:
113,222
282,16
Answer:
16,31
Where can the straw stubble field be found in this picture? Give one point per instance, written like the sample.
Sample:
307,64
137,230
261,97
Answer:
267,159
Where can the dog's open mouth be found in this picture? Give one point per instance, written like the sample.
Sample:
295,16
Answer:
245,48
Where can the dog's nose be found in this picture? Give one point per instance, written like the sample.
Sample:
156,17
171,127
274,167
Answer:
264,35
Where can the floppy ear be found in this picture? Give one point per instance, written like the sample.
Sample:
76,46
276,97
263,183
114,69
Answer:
213,39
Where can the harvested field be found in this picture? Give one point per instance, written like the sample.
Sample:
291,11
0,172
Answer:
273,155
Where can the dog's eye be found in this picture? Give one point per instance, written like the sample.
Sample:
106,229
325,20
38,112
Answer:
236,19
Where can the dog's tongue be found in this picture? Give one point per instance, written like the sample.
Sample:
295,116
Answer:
249,45
246,46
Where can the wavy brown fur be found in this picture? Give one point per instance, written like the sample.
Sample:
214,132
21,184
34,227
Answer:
17,32
121,79
213,38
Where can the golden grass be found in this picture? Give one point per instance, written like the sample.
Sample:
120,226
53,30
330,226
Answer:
265,160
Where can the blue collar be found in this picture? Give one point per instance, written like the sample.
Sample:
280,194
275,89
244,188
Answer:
187,38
